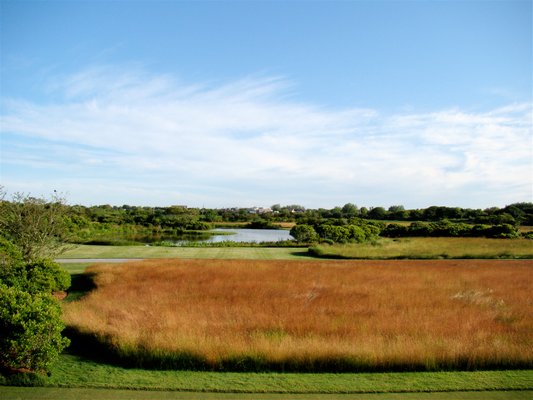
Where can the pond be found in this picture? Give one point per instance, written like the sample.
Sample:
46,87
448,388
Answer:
249,235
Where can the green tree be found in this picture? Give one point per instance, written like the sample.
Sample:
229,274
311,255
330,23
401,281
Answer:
350,210
36,226
377,213
304,233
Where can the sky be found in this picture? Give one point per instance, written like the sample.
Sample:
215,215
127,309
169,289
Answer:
254,103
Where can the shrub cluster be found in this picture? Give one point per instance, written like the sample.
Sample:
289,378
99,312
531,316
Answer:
445,228
30,317
336,231
361,231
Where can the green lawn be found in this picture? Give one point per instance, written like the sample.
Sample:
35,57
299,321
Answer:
16,393
262,253
76,372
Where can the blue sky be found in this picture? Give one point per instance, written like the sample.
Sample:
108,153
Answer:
242,103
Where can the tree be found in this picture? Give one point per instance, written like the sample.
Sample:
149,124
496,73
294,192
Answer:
35,225
397,212
377,213
349,210
304,233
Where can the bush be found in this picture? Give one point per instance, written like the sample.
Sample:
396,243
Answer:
46,276
503,231
304,233
528,235
38,276
9,255
30,330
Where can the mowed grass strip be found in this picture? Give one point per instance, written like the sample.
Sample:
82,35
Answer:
73,371
268,253
430,248
248,315
22,393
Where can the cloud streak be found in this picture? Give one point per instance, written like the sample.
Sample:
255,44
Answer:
124,136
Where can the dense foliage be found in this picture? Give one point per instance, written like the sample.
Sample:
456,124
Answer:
446,228
30,317
337,231
125,224
192,218
30,330
35,225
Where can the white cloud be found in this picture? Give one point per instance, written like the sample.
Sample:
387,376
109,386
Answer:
120,129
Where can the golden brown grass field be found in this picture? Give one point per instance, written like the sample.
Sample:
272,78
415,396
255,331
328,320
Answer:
297,315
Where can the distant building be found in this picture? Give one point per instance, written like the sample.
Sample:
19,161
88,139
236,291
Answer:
259,210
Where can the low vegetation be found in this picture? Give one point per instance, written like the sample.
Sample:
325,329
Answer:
76,372
428,248
297,316
265,316
262,253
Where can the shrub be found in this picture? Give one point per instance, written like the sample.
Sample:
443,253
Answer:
9,255
395,230
528,235
304,233
30,330
38,276
46,276
504,231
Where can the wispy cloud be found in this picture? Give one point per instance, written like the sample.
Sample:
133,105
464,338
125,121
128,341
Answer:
139,138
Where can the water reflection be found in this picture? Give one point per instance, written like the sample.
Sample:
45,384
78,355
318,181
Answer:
249,235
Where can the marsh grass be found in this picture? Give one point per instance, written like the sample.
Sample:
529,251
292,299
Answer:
430,248
243,315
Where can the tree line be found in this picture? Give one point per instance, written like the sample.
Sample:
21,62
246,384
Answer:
203,218
348,223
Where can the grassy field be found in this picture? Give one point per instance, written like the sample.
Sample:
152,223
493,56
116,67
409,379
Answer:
20,393
430,248
247,253
415,248
79,373
80,378
323,316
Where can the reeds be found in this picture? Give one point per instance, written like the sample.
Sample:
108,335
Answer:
319,316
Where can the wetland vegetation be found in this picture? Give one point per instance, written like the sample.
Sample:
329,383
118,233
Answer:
300,313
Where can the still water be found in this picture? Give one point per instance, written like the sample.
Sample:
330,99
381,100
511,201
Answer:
250,235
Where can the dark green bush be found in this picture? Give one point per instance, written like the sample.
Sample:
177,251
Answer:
30,330
304,233
38,276
46,276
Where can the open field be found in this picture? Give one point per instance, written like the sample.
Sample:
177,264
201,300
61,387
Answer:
430,248
254,253
320,316
414,248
